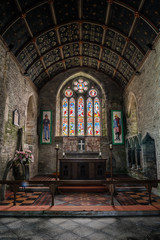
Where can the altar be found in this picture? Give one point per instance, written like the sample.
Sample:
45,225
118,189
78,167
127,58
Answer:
82,169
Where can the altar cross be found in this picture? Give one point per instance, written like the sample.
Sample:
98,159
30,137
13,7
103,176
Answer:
81,145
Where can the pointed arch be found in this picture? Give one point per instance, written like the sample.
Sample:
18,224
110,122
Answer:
72,117
89,117
80,116
132,120
65,117
96,117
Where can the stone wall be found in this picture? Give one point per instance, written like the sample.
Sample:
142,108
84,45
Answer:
146,89
47,98
15,91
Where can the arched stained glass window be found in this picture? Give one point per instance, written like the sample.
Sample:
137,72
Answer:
80,116
81,109
89,117
72,117
65,117
96,117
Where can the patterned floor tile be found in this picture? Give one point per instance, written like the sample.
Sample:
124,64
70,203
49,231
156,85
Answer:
81,199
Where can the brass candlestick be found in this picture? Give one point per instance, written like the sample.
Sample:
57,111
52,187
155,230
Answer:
57,149
111,166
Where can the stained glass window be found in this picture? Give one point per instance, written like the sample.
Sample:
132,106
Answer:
89,117
80,116
96,117
68,93
65,117
72,117
80,86
92,93
75,119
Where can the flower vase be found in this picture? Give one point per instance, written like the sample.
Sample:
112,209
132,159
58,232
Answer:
26,171
18,171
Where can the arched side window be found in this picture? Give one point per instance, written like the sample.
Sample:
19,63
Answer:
65,117
89,117
80,116
72,117
96,117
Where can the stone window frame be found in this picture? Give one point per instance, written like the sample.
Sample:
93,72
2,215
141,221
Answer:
85,96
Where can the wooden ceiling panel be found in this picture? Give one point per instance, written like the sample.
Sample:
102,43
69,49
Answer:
91,50
66,10
52,57
39,19
17,35
114,41
48,37
94,10
27,56
72,62
92,33
121,18
110,57
47,41
71,50
69,33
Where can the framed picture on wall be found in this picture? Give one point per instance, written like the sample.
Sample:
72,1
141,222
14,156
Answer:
46,127
117,127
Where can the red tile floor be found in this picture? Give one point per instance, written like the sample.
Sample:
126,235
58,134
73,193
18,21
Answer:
126,198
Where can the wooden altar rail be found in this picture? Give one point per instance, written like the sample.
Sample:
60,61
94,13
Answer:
53,185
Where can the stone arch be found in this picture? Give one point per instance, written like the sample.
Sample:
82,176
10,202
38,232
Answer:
58,101
132,116
138,153
128,153
149,157
30,127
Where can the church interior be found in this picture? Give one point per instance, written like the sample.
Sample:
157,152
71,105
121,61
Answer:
80,104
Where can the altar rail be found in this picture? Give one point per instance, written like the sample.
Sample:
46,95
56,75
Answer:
53,185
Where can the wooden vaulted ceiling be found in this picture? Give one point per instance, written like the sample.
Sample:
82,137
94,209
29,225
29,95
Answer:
49,37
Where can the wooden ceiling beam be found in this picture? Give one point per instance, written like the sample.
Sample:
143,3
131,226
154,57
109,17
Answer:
108,11
109,3
23,17
51,3
53,12
80,50
136,16
81,59
80,14
80,22
148,21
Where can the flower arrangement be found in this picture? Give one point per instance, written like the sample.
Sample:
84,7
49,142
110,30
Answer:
24,157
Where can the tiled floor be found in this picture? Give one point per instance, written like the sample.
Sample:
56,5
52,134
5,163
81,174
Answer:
124,228
133,197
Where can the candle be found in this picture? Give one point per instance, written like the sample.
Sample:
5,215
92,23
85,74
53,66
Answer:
57,146
100,154
110,146
63,154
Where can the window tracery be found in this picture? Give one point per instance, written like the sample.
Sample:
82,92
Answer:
81,110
